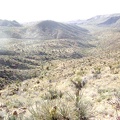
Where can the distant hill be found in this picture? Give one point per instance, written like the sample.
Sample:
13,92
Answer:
100,20
54,30
7,23
111,21
9,29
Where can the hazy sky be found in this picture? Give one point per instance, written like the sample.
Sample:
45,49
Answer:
58,10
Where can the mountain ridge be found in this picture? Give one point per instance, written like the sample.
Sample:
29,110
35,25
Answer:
8,23
96,20
46,30
57,30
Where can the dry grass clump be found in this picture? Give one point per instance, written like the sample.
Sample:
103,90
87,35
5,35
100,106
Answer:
116,104
60,110
52,94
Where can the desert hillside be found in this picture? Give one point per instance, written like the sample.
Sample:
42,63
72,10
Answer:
60,71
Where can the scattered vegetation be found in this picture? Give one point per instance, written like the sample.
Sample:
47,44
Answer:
61,79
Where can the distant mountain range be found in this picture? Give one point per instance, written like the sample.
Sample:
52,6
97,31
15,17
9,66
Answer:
97,20
42,30
55,30
100,20
102,28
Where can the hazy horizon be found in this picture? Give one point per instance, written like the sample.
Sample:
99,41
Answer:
57,10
